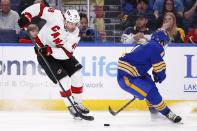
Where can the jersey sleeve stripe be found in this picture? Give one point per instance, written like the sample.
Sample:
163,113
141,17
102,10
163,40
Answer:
129,67
159,67
134,87
42,6
160,70
157,64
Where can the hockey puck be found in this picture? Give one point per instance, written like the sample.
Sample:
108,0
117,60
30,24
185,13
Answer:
106,124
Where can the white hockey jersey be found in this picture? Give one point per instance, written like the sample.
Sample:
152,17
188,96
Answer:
53,33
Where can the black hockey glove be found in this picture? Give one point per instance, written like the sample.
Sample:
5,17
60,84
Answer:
46,50
36,51
24,20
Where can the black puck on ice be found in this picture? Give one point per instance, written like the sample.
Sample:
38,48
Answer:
106,124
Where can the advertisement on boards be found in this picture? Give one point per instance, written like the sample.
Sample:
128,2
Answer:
22,77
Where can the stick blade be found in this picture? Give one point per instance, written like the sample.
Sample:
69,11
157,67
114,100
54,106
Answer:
111,111
89,118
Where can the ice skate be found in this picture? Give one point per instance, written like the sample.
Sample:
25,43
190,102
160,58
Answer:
74,113
82,108
173,117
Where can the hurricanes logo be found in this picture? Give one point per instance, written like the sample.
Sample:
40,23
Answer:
59,71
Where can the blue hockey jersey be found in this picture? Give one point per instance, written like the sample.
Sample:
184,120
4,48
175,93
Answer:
141,58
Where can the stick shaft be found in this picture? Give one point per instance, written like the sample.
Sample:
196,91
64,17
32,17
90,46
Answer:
122,108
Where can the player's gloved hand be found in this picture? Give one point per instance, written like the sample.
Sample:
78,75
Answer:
162,78
24,20
158,78
46,50
36,51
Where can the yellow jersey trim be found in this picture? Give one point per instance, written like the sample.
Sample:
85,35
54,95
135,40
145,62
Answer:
122,65
134,87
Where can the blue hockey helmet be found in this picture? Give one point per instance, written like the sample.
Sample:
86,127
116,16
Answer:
160,35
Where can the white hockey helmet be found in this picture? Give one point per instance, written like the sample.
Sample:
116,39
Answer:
72,16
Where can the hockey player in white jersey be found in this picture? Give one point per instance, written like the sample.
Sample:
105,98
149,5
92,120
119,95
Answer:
58,39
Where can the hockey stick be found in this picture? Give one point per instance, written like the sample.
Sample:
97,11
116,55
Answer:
90,118
115,113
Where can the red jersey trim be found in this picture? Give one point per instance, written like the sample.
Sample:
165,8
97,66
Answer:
67,52
42,6
37,40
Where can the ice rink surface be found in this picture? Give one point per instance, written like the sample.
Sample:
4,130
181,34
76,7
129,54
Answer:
62,121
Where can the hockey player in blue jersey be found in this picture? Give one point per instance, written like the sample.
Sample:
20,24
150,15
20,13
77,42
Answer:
133,77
